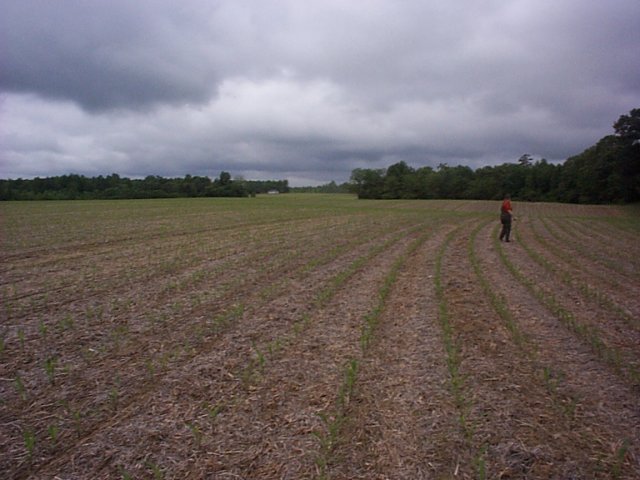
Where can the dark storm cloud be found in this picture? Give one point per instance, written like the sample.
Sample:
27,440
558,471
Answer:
308,89
107,54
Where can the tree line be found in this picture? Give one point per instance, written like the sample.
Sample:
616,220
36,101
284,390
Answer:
331,187
74,187
608,172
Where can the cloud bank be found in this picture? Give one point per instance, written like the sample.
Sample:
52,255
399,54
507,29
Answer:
307,90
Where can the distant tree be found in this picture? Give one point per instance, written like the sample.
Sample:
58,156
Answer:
225,187
264,186
525,160
453,182
368,183
396,181
485,185
627,127
541,183
225,178
331,187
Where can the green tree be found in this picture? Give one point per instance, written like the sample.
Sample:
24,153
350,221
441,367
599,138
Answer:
367,183
396,181
225,178
627,127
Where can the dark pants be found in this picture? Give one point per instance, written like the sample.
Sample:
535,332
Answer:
505,219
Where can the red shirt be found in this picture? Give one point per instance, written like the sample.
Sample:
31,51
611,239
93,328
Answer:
506,206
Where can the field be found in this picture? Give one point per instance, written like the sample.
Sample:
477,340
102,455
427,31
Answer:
318,336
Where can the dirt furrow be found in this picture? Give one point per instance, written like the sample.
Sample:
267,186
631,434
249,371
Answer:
512,425
144,309
93,235
609,334
606,287
599,413
160,261
137,373
402,422
581,237
296,397
225,360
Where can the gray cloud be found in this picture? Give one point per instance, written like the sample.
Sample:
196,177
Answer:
103,55
308,90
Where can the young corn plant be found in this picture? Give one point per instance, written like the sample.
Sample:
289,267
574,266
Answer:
551,379
588,333
20,388
451,347
196,432
346,389
481,464
333,422
50,368
213,410
29,438
66,323
372,319
567,278
157,472
226,318
52,431
620,455
113,397
497,301
124,474
42,328
254,367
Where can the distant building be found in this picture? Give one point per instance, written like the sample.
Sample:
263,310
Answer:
273,192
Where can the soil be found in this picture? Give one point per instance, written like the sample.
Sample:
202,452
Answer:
242,352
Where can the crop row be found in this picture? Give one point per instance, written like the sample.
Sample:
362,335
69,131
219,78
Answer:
253,358
85,415
243,353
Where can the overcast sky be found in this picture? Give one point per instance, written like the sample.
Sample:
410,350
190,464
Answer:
307,90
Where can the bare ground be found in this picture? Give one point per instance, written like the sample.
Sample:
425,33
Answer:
241,353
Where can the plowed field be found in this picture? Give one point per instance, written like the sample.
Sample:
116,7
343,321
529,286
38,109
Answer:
318,336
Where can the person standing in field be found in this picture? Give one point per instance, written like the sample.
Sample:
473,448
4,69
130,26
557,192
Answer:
505,218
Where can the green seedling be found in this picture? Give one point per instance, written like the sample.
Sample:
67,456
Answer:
346,389
29,438
113,397
19,384
213,410
50,368
621,453
260,358
151,369
158,474
124,474
481,464
551,379
42,328
588,333
327,439
66,323
197,433
76,416
452,349
53,430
